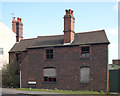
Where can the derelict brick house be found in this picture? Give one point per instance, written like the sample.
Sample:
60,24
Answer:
74,61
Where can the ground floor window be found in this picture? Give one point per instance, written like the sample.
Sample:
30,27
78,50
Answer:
49,79
84,75
49,75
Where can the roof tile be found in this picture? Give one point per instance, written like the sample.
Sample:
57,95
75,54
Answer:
93,37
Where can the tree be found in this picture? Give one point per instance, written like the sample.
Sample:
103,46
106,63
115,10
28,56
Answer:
11,75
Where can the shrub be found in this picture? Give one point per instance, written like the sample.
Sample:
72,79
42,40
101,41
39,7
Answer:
11,75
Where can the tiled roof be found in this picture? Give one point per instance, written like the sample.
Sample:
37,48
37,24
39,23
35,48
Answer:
93,37
22,45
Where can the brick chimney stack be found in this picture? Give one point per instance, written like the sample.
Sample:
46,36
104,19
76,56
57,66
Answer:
17,27
14,25
69,26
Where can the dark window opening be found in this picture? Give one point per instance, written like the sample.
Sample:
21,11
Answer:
49,53
49,79
18,57
85,52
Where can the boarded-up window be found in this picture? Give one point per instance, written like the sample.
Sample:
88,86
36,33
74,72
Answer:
84,75
49,75
50,72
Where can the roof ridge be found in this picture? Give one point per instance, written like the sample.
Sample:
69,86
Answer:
91,31
50,36
28,39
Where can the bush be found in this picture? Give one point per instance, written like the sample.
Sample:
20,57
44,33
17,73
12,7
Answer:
11,75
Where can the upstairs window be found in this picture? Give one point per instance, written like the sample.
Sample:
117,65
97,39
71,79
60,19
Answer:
49,53
1,51
85,52
49,75
18,57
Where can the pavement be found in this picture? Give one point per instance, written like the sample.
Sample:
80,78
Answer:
14,91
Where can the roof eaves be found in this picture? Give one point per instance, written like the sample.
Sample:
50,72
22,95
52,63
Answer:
62,45
102,30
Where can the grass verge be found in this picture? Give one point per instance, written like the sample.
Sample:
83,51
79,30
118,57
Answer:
62,91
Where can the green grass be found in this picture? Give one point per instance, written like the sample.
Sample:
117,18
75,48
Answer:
62,91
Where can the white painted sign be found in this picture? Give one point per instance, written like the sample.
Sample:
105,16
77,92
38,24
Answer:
31,82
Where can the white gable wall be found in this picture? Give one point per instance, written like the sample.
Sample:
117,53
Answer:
7,40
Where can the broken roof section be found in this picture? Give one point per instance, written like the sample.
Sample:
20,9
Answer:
93,37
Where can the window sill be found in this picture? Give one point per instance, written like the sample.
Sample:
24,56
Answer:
48,59
49,82
84,58
84,83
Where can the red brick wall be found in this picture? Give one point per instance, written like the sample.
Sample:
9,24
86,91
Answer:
67,62
12,56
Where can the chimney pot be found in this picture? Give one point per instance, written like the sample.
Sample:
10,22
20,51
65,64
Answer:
66,11
20,20
72,12
13,21
69,11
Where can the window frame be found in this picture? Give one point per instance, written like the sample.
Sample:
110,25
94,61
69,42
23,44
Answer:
49,54
84,52
18,57
53,79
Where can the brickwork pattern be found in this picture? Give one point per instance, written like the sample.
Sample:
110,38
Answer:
67,62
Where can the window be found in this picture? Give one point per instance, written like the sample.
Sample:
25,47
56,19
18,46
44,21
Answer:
1,51
49,53
84,75
85,52
49,75
18,56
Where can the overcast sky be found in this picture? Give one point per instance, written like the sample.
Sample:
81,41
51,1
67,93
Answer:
46,18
